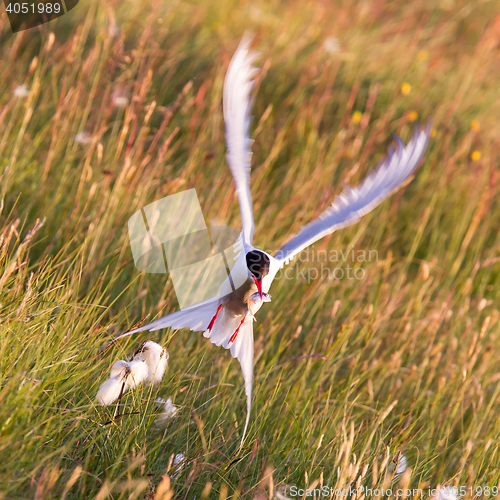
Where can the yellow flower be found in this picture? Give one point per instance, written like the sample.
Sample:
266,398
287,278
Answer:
433,132
412,116
422,55
405,88
476,155
356,117
474,125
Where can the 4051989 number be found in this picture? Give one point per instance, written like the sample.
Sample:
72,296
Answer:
34,8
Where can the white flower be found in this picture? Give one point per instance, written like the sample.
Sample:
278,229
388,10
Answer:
29,379
331,45
149,363
178,464
256,13
169,411
21,91
119,99
399,464
280,496
139,373
123,376
445,493
155,357
110,391
114,29
83,137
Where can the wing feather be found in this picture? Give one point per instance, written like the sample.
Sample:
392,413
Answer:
237,102
242,350
348,207
196,317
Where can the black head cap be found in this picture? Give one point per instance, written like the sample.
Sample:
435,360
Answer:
258,263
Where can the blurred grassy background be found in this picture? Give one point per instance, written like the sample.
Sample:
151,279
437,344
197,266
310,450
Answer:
348,373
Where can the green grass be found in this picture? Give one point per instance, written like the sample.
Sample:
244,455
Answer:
348,373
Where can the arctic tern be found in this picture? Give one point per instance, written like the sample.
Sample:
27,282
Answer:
227,319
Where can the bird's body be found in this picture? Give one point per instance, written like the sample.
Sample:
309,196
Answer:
237,302
227,319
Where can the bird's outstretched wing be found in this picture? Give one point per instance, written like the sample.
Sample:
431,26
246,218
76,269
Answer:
353,203
196,317
237,102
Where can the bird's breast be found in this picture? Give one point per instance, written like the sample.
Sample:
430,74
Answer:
236,302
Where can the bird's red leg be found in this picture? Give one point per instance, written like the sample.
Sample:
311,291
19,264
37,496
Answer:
235,334
211,324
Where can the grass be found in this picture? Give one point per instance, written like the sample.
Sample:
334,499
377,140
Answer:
348,372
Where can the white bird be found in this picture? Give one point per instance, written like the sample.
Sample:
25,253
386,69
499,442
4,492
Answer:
227,319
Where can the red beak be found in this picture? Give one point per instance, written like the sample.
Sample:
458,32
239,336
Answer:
259,285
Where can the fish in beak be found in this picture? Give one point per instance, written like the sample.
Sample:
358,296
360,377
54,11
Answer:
259,285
